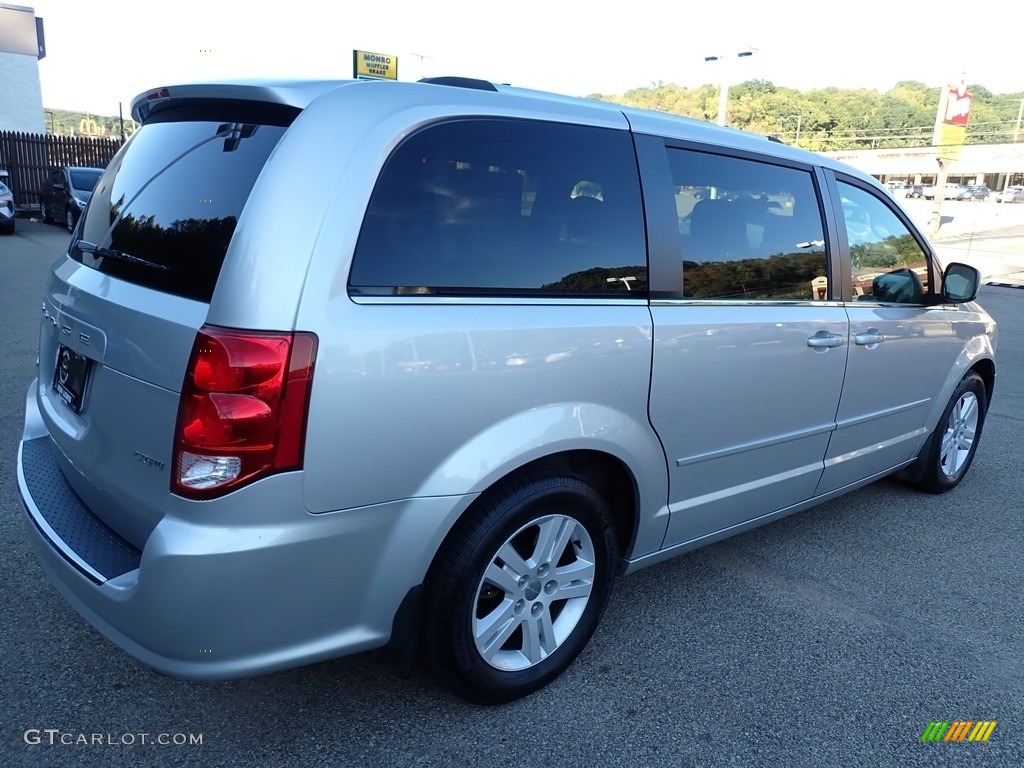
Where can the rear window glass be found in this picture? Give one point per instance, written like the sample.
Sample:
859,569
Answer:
164,212
505,207
85,180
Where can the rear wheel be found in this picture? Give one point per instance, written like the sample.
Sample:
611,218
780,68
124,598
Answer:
950,450
519,587
44,213
69,220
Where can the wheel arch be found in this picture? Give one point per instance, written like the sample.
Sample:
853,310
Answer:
986,368
609,475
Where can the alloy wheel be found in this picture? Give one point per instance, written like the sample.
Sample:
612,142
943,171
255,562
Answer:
533,592
958,438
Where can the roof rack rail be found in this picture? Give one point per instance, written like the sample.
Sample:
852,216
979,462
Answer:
460,82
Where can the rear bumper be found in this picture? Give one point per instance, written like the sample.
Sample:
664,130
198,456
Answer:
247,584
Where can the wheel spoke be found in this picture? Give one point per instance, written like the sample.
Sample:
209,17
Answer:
538,636
552,539
502,578
514,563
495,628
946,448
575,580
968,409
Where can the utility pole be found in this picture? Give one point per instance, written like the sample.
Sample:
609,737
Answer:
723,92
421,57
940,179
950,133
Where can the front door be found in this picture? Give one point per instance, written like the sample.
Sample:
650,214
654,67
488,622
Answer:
900,347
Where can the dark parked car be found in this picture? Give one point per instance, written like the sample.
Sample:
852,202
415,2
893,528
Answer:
974,192
917,190
66,193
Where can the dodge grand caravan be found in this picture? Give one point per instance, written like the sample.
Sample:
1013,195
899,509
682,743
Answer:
422,367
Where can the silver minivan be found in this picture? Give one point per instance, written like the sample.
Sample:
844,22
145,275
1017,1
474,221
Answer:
422,367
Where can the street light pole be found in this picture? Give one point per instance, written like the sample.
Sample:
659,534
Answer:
723,91
421,57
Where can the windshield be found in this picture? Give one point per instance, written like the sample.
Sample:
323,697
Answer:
171,198
85,180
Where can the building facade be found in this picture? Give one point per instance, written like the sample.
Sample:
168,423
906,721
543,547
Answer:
21,47
997,166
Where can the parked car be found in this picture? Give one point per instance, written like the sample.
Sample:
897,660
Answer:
951,192
7,210
535,344
65,194
922,190
898,188
1011,195
973,192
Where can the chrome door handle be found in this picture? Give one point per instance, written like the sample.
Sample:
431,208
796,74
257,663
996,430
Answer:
869,337
824,339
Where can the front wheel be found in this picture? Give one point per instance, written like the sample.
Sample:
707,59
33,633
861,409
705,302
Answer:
950,450
44,213
519,587
69,220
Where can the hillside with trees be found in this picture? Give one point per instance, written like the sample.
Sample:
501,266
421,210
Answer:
62,122
833,118
820,119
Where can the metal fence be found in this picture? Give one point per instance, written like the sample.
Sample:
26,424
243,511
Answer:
29,157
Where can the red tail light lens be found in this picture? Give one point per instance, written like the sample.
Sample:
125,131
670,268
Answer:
242,413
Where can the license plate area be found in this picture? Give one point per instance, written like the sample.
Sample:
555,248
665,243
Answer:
70,376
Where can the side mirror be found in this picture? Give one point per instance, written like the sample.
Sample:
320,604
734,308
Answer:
960,283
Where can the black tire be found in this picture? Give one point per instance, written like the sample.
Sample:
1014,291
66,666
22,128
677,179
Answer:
44,213
533,634
70,220
948,454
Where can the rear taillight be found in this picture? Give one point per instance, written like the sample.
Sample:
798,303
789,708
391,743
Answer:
242,413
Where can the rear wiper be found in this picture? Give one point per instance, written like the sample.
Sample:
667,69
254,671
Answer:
99,250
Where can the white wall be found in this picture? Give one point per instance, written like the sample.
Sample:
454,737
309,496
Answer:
21,98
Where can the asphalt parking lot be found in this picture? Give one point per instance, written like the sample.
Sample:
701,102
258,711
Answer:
831,638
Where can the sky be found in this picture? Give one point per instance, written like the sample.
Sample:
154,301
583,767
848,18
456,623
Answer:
102,52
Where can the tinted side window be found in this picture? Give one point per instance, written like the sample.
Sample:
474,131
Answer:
479,207
747,229
887,264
